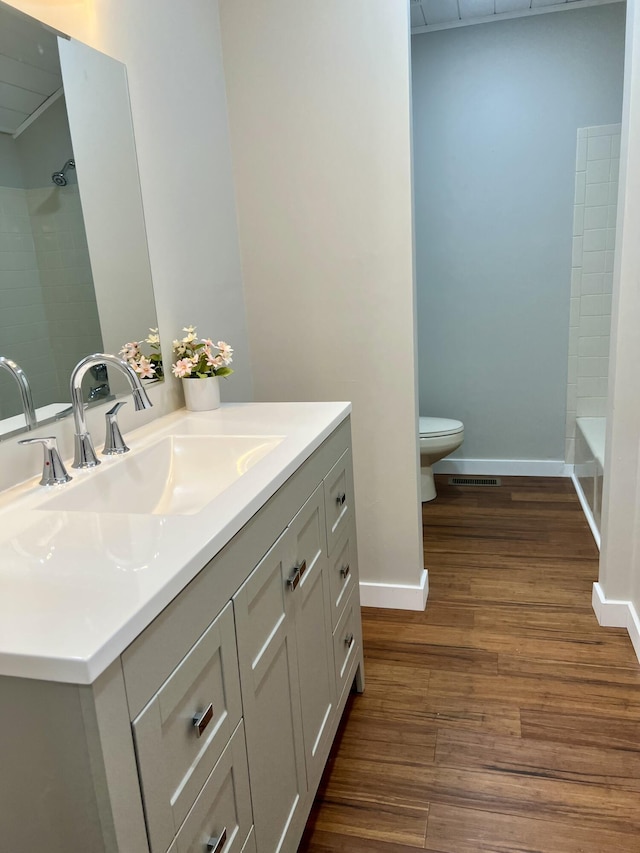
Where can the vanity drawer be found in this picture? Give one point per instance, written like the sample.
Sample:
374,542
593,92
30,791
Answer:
347,640
220,819
343,572
338,498
183,730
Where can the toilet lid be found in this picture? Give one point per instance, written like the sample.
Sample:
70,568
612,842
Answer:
440,426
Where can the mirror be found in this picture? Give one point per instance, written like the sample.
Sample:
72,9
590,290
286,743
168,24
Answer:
74,267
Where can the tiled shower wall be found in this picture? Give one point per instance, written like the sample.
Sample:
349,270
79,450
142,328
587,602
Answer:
65,275
594,234
49,317
24,328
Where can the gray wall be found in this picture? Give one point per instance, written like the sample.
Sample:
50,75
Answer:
10,167
496,109
45,146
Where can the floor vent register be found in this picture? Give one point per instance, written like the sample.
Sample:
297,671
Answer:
475,481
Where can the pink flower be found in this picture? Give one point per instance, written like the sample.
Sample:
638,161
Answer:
182,368
144,368
130,351
225,352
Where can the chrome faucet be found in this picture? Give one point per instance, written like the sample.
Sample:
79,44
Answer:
85,455
53,471
25,390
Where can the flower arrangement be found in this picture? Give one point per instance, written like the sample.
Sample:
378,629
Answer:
147,367
197,358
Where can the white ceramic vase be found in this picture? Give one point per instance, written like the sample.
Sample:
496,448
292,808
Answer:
201,395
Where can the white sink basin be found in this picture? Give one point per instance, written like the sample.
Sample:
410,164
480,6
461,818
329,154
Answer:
179,475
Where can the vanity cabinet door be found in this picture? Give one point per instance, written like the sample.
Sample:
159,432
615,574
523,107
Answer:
265,628
313,633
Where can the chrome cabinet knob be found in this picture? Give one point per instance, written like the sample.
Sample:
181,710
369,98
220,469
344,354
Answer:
53,471
202,720
215,845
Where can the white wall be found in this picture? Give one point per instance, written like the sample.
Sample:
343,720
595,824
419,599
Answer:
176,85
496,109
620,557
319,105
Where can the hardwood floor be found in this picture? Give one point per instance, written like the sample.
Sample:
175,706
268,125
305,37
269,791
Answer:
503,718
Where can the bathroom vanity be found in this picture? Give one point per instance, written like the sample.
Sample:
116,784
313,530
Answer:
173,673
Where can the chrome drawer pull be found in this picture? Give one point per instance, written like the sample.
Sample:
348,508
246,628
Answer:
344,571
215,845
348,640
294,579
302,568
201,721
340,500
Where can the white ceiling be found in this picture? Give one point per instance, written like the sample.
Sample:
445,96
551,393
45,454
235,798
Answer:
29,69
429,15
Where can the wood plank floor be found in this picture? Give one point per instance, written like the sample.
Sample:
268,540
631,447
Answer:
503,718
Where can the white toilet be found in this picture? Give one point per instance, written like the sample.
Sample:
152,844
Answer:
438,438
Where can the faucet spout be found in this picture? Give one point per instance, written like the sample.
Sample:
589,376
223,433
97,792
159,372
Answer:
25,390
85,456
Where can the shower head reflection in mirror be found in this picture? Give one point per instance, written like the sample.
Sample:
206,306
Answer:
74,268
60,178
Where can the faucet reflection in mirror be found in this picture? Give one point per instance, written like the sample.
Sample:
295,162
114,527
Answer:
85,455
25,390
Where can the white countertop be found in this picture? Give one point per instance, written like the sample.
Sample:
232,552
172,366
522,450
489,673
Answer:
45,413
78,587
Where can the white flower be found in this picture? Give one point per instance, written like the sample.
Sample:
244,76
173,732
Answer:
144,368
179,348
153,338
182,368
191,335
225,352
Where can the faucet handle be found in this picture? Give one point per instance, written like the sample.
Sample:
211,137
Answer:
114,443
53,471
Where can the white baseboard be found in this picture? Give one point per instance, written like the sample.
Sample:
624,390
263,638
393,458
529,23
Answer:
614,613
504,467
395,596
584,503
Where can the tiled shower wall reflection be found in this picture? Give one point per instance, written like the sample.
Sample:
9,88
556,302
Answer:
24,329
594,234
49,316
65,277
